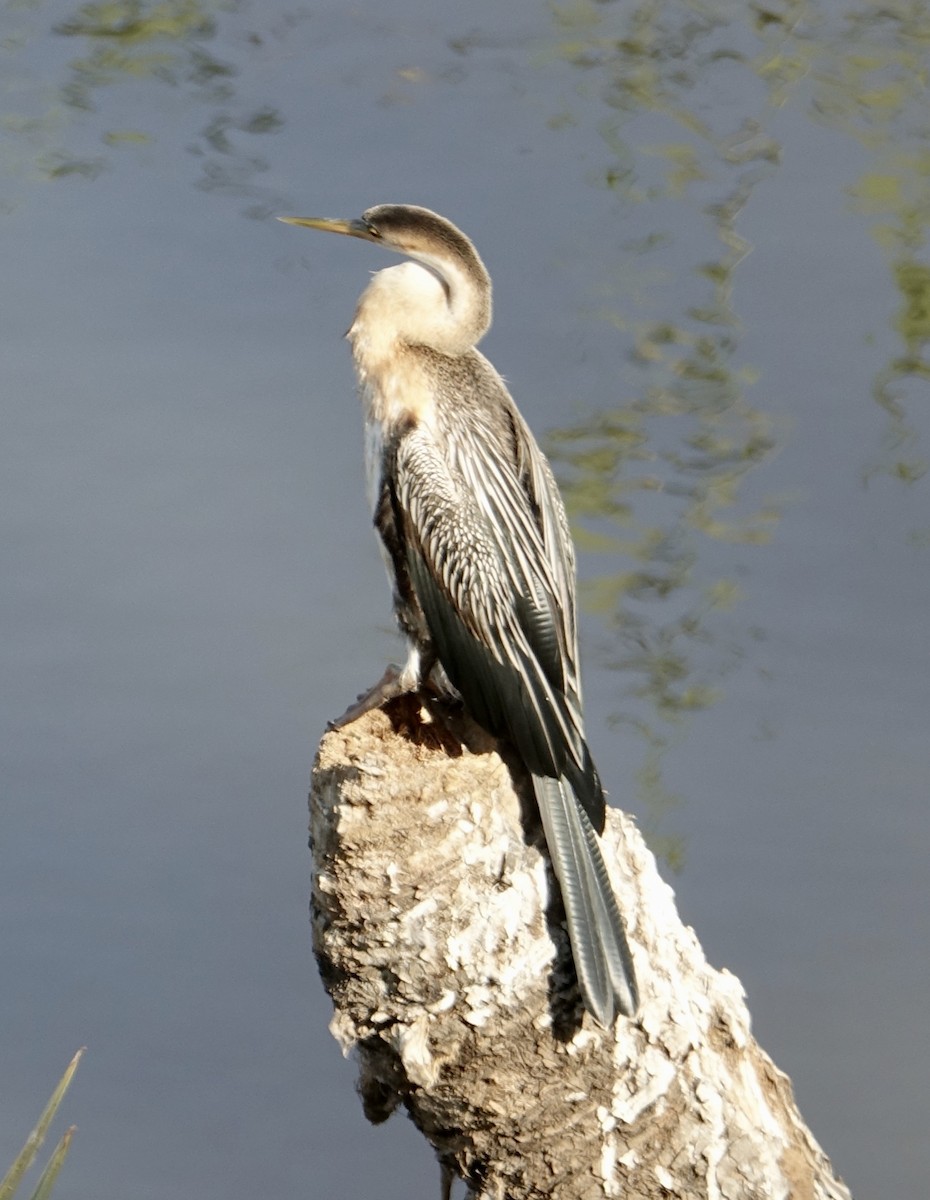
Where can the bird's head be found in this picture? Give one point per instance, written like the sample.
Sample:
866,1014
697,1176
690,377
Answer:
438,246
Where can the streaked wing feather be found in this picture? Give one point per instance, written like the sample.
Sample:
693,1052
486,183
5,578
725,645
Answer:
488,603
557,542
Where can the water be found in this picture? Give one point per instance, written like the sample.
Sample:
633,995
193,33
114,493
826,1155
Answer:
706,237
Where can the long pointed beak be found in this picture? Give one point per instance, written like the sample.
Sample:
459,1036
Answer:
354,228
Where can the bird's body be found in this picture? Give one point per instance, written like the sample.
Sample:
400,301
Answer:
479,552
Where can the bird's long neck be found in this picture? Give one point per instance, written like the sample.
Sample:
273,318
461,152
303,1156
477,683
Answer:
442,305
433,305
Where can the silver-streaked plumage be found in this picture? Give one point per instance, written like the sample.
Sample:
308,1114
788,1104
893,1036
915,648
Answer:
479,552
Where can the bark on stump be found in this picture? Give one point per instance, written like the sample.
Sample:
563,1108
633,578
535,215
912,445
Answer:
451,977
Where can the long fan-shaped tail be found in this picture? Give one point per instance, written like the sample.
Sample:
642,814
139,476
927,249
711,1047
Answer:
602,957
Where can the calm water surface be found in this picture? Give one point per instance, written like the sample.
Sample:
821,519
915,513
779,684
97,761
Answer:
707,231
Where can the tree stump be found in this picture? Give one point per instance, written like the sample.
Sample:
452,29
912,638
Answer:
437,928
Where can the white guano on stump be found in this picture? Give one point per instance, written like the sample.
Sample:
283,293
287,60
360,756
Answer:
441,948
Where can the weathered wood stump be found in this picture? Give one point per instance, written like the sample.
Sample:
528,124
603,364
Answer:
436,925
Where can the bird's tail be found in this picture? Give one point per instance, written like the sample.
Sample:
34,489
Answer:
599,946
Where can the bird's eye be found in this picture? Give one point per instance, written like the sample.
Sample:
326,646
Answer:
373,229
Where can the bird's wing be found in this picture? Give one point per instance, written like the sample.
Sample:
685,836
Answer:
556,537
494,605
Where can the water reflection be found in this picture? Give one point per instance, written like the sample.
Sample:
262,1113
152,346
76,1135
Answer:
133,40
860,70
865,75
689,429
167,43
135,45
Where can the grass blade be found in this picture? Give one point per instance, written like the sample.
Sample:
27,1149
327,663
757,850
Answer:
23,1160
53,1166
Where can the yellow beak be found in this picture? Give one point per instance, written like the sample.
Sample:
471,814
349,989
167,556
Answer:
354,228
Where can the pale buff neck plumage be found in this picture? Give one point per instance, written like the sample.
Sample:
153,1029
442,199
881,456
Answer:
437,304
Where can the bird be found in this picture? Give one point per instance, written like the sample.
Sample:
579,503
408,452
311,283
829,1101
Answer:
479,554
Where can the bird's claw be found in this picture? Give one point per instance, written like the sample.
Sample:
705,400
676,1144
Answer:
388,687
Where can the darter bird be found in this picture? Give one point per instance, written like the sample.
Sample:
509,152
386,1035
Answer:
479,552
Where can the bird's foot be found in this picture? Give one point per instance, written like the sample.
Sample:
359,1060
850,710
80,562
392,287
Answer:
393,683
